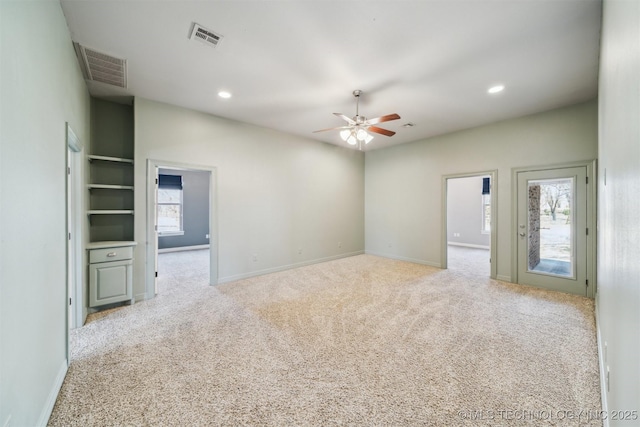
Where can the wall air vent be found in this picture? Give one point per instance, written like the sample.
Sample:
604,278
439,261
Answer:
205,36
99,67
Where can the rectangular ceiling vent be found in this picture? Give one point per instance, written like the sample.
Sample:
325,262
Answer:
100,67
205,36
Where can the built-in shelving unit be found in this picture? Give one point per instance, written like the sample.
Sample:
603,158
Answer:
110,208
111,162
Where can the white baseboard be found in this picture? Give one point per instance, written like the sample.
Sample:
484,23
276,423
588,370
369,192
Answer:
468,245
603,368
183,248
284,267
53,394
401,258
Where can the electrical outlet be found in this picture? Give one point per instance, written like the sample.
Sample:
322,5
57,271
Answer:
255,257
389,244
339,244
299,251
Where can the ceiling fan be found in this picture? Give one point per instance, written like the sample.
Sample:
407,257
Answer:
358,128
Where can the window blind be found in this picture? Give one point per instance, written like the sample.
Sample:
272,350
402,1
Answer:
173,182
486,185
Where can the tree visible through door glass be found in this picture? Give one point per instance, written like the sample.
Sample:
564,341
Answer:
551,226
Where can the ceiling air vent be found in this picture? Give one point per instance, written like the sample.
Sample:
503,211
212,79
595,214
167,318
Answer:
100,67
207,37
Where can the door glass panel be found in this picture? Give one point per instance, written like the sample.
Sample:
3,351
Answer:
551,227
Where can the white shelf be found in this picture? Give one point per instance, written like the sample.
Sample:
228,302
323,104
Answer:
110,244
92,157
109,212
109,187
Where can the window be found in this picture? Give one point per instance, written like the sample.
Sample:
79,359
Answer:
170,205
486,213
486,205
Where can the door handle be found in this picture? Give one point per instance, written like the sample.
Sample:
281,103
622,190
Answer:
522,234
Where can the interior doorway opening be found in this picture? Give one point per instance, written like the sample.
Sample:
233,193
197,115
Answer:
182,212
182,228
75,300
469,223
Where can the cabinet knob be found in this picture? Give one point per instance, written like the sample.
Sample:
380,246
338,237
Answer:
111,254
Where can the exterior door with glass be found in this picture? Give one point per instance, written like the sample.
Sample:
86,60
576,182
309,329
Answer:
552,229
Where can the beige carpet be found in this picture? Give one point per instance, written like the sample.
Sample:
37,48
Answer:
358,341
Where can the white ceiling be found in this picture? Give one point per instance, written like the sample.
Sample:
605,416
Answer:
291,64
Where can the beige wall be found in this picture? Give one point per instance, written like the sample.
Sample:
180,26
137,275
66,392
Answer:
42,88
403,184
618,298
276,193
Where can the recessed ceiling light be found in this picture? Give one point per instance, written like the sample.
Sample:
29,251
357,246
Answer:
224,94
496,89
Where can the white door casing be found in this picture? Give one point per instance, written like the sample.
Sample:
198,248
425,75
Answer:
493,250
74,302
152,212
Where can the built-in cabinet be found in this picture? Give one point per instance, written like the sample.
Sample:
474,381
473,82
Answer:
110,205
110,272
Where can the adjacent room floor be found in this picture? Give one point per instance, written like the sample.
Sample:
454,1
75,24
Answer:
470,261
362,340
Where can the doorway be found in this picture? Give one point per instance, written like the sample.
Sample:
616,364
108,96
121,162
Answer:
182,224
75,306
469,223
552,229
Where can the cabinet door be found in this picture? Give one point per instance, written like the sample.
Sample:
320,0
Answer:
110,282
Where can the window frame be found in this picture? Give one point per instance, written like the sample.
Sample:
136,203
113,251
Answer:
485,203
168,233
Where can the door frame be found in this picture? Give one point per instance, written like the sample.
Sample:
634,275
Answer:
493,250
152,239
75,310
591,191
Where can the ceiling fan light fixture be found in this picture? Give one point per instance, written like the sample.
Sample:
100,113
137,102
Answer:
352,140
359,128
355,136
363,135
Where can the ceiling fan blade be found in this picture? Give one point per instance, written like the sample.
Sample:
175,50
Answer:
345,118
381,119
381,131
336,128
